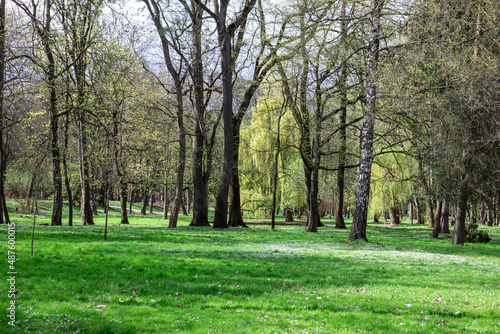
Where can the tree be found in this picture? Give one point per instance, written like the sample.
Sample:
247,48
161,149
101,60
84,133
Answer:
360,216
178,77
225,32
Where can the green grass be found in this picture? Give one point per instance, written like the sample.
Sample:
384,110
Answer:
201,280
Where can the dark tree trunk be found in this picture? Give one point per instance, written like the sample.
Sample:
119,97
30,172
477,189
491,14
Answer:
200,193
221,204
94,200
183,207
235,217
66,173
151,202
123,201
189,200
288,215
132,200
225,33
144,206
459,235
360,217
445,225
165,201
437,222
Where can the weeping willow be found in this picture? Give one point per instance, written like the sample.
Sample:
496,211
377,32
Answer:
259,144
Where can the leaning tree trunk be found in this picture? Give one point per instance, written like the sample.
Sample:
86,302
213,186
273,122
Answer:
360,217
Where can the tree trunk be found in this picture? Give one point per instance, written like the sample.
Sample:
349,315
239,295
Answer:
437,222
420,211
313,206
94,199
165,201
430,214
144,206
445,226
360,217
132,200
200,193
225,33
393,214
461,212
339,206
235,217
221,204
151,201
189,200
123,201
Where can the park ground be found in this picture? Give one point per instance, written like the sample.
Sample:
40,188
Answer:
146,278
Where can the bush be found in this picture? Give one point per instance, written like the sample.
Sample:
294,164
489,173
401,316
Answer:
473,235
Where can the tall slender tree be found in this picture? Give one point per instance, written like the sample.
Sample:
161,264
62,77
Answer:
360,216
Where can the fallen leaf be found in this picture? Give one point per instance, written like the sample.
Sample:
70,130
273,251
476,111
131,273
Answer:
134,295
101,305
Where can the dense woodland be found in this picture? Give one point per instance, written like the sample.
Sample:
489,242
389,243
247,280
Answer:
371,109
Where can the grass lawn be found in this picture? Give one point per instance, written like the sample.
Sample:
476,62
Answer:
150,279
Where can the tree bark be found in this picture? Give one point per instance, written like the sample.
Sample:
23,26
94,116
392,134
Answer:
151,201
235,217
144,200
221,204
445,226
132,200
225,33
174,214
394,215
165,201
461,213
360,217
123,201
430,213
339,206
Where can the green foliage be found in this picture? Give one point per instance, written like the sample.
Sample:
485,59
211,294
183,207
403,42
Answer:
472,234
391,185
259,137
